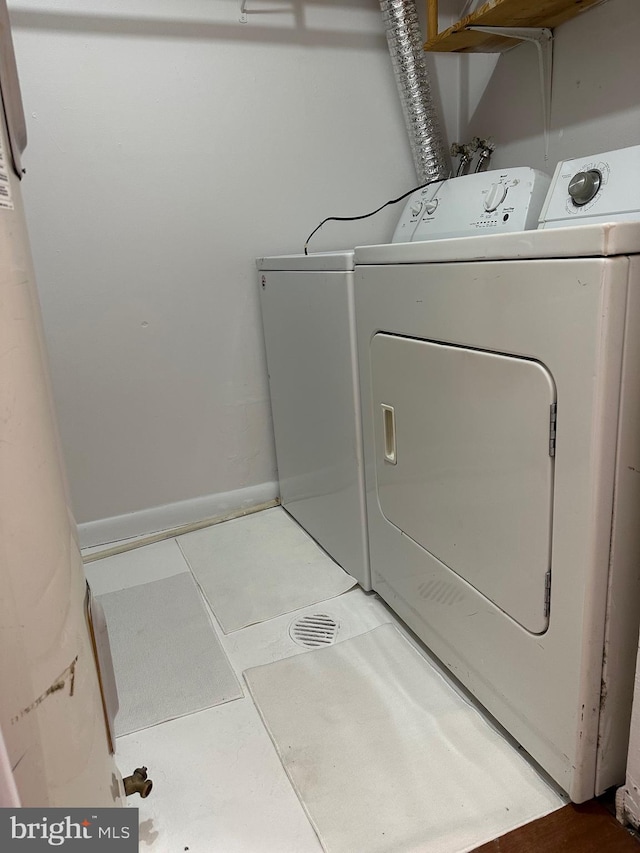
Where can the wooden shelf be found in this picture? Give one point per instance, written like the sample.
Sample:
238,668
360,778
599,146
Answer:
501,13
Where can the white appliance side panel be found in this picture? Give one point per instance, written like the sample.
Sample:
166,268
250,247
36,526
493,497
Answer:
569,315
628,797
310,341
471,478
623,609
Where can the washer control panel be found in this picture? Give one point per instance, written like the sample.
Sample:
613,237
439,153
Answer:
480,203
599,188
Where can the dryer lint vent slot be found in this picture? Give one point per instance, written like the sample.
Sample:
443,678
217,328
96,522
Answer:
553,418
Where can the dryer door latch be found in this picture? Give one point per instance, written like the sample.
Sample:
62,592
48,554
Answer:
547,593
553,417
389,432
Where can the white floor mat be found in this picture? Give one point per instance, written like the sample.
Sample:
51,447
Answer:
264,565
385,756
167,658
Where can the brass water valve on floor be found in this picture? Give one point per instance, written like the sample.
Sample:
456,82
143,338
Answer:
138,783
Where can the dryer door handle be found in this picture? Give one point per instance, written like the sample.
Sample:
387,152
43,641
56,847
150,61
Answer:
389,432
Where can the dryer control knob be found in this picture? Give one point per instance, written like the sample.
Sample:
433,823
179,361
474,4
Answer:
416,207
494,197
584,186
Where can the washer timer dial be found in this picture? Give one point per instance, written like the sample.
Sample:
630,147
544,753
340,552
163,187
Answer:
494,197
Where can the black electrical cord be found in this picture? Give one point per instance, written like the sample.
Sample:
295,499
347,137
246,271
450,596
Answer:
367,215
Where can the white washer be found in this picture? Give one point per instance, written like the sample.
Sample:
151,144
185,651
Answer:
501,425
308,318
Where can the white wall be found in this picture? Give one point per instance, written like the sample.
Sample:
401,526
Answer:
595,102
170,145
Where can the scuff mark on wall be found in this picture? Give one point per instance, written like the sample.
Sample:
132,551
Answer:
19,760
67,675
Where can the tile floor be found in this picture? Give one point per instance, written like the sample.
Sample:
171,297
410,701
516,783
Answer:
218,783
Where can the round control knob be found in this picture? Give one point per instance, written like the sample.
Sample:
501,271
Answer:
584,186
416,207
494,197
431,206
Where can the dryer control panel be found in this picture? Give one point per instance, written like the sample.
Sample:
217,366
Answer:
482,203
598,188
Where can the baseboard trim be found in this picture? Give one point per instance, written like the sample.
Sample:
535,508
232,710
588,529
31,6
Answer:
170,517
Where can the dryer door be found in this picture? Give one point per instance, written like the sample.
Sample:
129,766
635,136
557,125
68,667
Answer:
463,464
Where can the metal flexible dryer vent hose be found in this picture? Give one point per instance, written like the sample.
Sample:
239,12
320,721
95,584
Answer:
407,56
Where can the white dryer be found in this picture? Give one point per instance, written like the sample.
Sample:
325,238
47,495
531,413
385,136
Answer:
501,425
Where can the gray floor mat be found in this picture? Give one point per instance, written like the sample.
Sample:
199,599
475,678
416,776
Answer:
167,657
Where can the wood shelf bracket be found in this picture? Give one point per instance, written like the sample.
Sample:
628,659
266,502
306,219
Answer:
542,37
